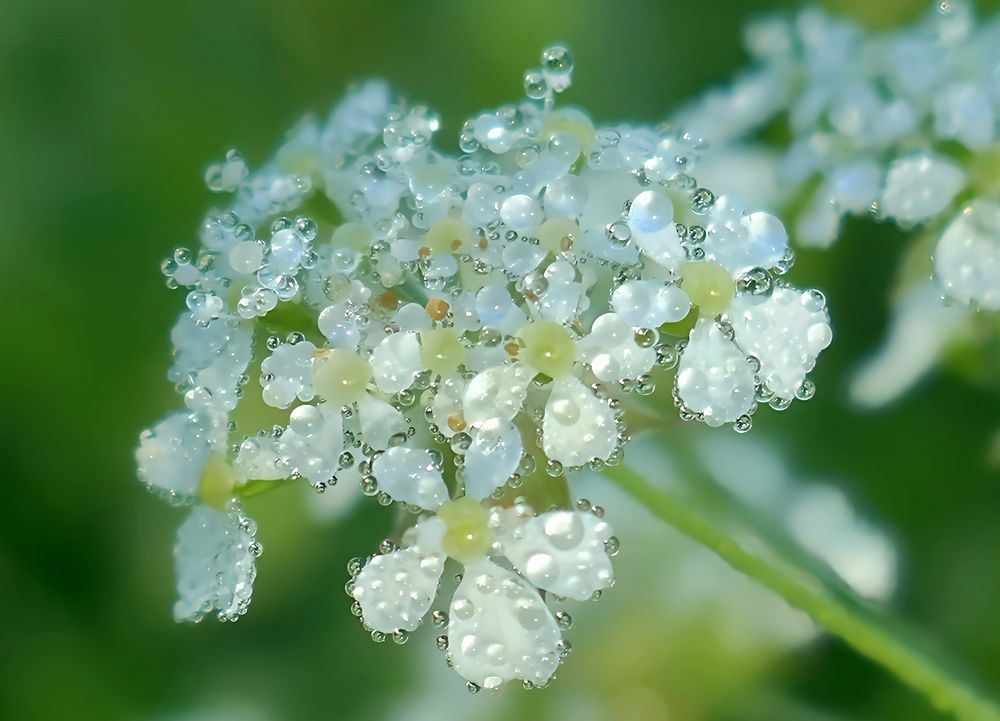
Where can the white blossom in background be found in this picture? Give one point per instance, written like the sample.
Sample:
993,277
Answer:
482,319
898,124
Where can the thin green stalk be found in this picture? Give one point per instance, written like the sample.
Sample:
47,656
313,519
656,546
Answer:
866,635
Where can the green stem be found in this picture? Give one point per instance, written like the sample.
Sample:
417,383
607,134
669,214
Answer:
866,635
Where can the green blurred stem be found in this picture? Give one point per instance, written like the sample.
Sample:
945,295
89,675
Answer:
866,635
257,487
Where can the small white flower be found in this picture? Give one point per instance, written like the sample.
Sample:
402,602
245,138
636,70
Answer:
215,552
499,628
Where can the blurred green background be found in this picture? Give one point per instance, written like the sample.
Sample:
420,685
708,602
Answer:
109,113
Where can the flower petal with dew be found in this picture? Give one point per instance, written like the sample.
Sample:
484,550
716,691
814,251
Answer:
395,590
967,257
215,555
715,379
578,427
491,458
785,333
500,629
564,552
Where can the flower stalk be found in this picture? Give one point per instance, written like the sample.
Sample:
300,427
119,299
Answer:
866,634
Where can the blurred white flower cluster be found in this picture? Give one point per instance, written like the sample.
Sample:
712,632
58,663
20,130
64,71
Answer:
901,125
456,333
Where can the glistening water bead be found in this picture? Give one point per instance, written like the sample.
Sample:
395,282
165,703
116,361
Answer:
457,334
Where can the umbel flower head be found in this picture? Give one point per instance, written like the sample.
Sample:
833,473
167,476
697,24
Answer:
456,334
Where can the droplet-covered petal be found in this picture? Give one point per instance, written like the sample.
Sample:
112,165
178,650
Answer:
211,357
492,458
714,377
396,362
496,394
379,421
500,629
410,475
785,332
920,186
287,374
560,551
612,352
578,426
312,443
215,557
967,258
395,590
649,303
172,454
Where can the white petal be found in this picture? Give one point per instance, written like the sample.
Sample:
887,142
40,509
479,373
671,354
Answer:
379,421
714,377
413,317
500,630
172,454
481,357
965,112
257,459
447,405
560,551
339,324
396,362
313,441
289,368
215,558
520,258
496,394
608,191
212,357
785,332
491,459
410,475
649,303
819,223
395,590
662,247
578,427
855,185
768,240
562,302
497,309
967,258
612,352
920,330
738,241
920,186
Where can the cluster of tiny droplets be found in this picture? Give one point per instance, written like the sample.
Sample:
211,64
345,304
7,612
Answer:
899,124
456,335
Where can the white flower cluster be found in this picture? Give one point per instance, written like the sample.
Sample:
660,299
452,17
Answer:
456,334
900,124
